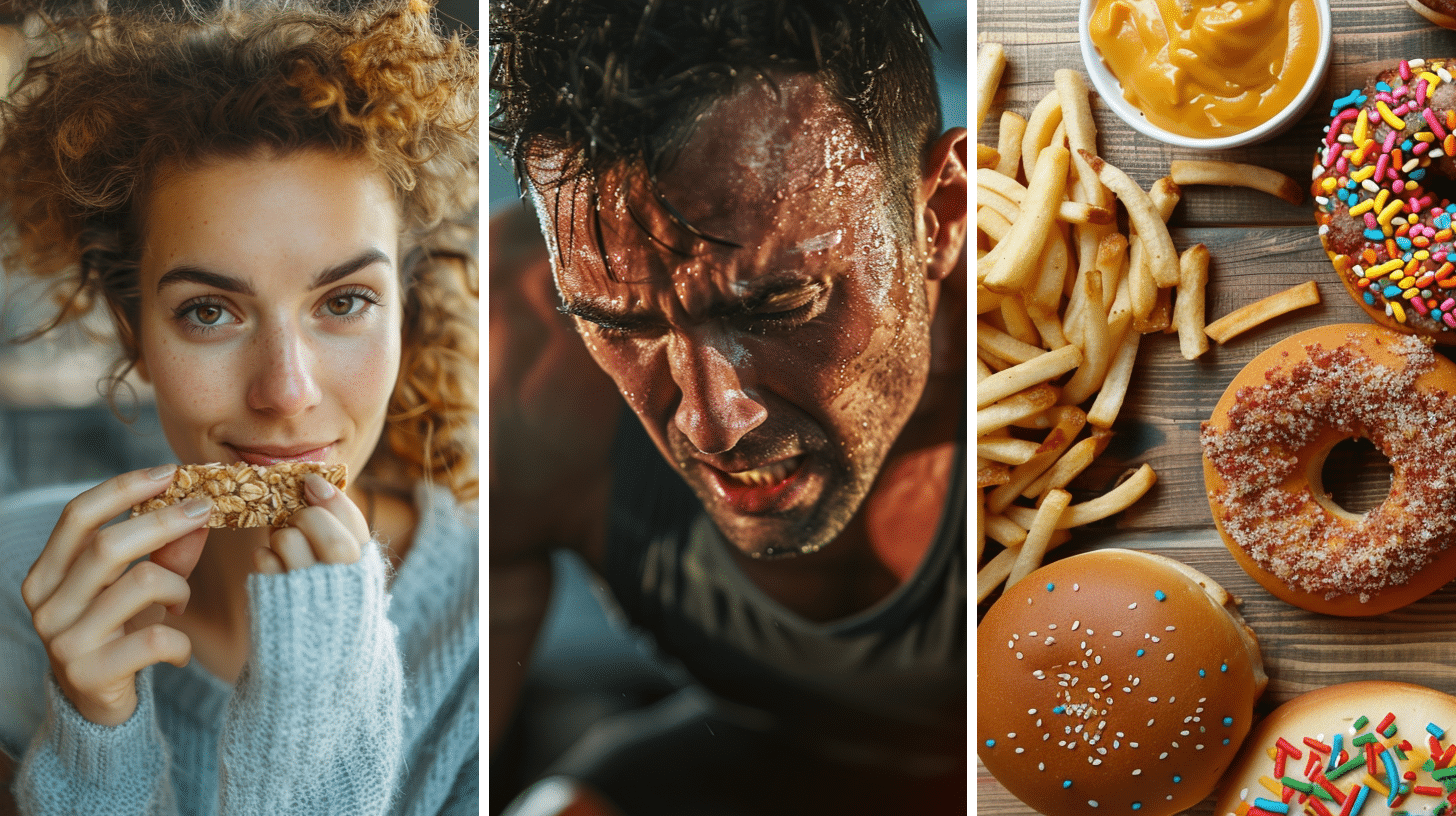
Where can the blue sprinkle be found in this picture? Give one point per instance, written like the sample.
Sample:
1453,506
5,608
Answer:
1160,595
1381,86
1271,805
1051,587
1443,221
1059,710
1202,673
1435,730
1391,292
1223,668
1403,243
1140,652
1435,314
1137,805
1406,145
1067,783
1375,234
1418,174
1228,720
990,743
1177,779
1225,741
1369,298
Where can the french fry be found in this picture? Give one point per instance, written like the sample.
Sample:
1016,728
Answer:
1039,534
998,569
1114,389
1144,217
1096,345
1077,119
1188,306
1234,174
1165,194
1022,376
990,63
1041,127
1005,346
993,223
1049,327
1058,439
1038,209
1071,464
1026,404
1046,293
1017,321
1004,531
1110,503
1008,143
1246,317
1007,451
991,474
986,156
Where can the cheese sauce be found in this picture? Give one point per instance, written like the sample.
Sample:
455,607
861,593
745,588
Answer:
1206,69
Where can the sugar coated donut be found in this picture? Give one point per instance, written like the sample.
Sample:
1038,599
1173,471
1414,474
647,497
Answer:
1265,446
1365,747
1113,681
1387,232
1440,12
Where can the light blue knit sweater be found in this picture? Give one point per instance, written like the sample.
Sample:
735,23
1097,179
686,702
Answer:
360,697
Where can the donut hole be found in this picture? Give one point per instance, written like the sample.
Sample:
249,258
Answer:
1354,477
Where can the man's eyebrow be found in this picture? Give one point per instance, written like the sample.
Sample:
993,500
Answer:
228,283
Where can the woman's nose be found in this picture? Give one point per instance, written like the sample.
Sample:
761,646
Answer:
717,409
285,377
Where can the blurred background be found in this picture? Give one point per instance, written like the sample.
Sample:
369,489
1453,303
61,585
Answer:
55,423
587,665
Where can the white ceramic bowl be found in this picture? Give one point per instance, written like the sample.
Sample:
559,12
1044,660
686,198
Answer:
1111,91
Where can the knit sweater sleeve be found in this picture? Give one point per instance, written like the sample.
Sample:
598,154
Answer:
315,722
76,766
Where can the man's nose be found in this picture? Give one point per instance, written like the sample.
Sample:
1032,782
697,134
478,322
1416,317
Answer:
716,409
285,376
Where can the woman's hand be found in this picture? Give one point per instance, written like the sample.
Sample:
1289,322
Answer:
330,530
86,602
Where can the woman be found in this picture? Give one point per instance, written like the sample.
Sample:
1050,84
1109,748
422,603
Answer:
261,200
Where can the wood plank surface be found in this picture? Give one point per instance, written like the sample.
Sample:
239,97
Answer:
1259,245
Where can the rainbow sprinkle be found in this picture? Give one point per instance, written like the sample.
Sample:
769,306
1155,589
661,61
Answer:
1336,780
1373,161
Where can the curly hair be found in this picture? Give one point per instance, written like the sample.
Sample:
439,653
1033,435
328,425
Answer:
622,81
124,96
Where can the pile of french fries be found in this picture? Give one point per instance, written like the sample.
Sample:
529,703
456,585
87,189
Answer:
1064,297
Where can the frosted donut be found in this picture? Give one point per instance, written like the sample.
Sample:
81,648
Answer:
1265,446
1113,681
1316,752
1387,233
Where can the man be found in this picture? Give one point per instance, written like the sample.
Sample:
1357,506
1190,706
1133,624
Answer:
755,228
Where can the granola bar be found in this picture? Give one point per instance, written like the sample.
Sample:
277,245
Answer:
245,495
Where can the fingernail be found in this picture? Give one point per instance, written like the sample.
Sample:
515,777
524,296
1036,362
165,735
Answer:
318,486
196,508
161,472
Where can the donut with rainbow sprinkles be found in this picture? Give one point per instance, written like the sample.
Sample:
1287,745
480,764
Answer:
1386,227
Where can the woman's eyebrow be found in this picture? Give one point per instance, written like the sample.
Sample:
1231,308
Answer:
228,283
195,274
340,271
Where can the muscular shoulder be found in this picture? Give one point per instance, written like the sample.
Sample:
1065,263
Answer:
552,410
26,521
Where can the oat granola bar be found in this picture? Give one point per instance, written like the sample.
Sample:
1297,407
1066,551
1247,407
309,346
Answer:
245,495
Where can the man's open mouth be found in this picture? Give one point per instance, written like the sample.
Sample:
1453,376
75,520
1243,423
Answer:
768,475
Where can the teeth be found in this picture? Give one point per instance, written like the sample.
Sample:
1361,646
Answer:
766,475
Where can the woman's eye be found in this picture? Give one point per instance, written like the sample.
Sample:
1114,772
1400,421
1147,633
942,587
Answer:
350,303
204,315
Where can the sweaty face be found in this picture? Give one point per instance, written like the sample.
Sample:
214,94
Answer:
271,309
773,373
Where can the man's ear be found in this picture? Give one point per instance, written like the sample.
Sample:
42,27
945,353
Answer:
943,193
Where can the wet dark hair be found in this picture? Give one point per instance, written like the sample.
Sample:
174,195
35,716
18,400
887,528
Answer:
620,82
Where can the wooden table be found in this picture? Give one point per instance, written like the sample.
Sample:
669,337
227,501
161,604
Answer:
1260,245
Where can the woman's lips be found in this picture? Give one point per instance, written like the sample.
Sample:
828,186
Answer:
271,455
765,489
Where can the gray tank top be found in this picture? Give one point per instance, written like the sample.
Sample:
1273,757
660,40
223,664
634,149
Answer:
885,685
